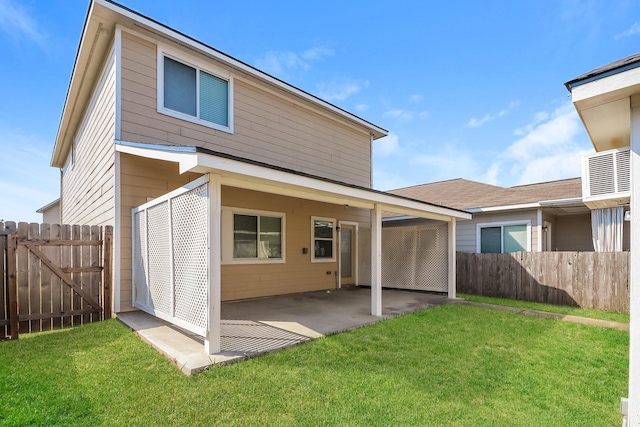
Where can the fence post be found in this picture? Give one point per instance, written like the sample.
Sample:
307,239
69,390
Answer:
12,284
107,271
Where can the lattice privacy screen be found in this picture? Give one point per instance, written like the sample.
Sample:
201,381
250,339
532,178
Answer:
415,257
170,258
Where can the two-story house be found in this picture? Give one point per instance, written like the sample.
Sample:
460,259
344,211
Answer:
222,182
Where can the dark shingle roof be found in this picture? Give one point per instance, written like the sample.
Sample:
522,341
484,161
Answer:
614,67
465,194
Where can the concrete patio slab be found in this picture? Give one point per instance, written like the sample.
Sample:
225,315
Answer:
258,326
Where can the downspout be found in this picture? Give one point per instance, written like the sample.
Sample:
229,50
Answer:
371,160
60,203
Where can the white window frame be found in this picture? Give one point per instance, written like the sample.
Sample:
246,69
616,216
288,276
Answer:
199,65
502,224
227,236
313,240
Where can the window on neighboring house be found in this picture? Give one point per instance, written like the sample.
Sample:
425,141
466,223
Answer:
194,94
253,236
503,238
323,239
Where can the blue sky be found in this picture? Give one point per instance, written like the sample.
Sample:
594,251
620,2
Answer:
466,89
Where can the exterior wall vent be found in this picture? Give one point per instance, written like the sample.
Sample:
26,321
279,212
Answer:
606,178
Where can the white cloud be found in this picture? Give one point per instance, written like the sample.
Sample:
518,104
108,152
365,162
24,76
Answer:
16,22
279,63
416,98
339,90
474,123
317,53
386,146
477,122
406,115
631,31
549,148
362,107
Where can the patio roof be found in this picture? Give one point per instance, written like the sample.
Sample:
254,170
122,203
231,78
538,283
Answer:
244,173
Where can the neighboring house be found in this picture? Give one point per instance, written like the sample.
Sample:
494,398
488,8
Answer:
546,216
222,182
608,102
50,212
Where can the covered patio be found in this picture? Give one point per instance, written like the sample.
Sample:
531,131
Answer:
182,261
253,327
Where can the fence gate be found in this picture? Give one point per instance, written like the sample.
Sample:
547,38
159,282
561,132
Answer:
170,256
53,276
416,257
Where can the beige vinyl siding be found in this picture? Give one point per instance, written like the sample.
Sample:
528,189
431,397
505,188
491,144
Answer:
87,195
298,274
466,230
267,127
141,180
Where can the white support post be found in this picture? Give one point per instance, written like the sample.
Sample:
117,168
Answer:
376,261
634,275
212,338
452,259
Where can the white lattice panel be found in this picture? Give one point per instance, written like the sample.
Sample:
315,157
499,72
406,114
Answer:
159,255
415,257
170,265
190,248
140,287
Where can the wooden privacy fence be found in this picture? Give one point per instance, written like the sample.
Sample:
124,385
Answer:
53,276
598,280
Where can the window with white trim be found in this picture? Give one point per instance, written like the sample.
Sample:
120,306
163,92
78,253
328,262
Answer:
503,238
323,238
252,236
194,92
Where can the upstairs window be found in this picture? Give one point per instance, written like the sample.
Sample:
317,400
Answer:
192,93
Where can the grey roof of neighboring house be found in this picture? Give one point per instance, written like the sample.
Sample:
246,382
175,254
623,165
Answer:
624,64
465,194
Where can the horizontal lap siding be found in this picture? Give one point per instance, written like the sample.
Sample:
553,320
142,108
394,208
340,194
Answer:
141,179
298,274
267,128
88,185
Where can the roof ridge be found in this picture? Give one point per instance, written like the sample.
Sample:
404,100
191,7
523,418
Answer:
544,182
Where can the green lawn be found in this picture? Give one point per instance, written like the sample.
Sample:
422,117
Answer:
551,308
455,365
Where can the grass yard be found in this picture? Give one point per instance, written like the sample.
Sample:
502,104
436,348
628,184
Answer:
551,308
455,365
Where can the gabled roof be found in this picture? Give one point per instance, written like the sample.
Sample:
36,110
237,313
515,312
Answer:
469,195
97,35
